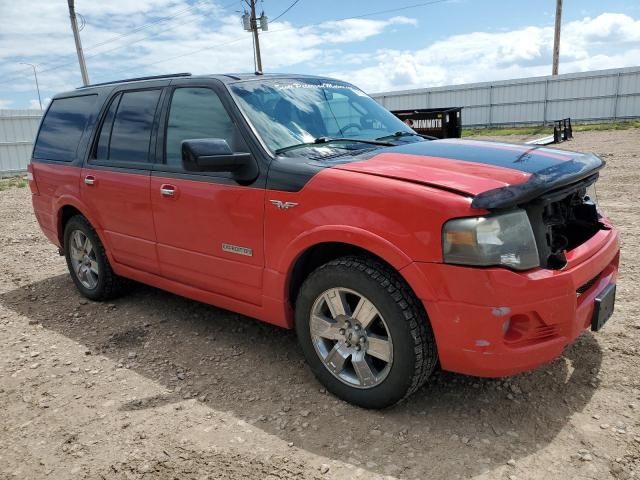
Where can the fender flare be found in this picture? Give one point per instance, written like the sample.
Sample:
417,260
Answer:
349,235
72,201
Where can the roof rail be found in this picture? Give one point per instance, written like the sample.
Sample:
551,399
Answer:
154,77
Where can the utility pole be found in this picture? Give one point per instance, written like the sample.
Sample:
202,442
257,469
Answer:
556,38
76,36
253,24
35,74
256,39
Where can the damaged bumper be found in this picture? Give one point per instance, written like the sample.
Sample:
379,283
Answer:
494,322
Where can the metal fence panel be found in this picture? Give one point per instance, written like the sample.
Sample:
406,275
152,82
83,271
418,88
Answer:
18,129
597,95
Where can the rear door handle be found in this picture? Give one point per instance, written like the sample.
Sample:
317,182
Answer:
167,190
90,180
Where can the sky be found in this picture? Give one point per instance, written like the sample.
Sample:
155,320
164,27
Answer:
418,44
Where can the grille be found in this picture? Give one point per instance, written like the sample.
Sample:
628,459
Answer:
583,288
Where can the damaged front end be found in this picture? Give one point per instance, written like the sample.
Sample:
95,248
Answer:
563,220
560,203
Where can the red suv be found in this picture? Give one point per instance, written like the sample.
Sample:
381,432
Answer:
302,202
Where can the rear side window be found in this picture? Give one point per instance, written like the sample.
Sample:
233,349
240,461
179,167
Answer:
62,128
126,130
102,151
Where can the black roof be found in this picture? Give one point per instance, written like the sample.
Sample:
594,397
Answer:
223,77
226,78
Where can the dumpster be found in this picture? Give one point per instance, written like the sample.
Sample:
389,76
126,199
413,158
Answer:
435,122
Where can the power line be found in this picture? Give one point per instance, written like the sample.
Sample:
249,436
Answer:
145,26
135,30
286,10
380,12
238,39
151,35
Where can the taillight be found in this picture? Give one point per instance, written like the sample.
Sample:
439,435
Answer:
32,180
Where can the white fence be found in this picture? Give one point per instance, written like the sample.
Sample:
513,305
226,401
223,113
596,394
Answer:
603,95
18,129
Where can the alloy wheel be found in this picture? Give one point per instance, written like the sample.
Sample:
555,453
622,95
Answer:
83,259
351,337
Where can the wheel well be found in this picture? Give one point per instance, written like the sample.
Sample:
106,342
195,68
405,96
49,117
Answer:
65,214
318,255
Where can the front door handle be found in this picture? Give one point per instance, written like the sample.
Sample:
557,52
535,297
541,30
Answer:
90,180
167,190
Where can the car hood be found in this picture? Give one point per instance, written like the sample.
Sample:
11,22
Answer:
495,174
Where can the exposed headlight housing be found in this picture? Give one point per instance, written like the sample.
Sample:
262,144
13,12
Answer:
504,239
591,196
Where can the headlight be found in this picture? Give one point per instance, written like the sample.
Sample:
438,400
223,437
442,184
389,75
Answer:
505,239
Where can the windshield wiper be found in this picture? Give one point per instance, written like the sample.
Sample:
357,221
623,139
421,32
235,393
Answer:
406,134
324,140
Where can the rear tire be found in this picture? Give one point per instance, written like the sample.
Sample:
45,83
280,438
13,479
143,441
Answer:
88,262
363,332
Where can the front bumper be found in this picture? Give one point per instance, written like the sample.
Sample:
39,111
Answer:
545,310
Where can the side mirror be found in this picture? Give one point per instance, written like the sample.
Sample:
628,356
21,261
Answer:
215,155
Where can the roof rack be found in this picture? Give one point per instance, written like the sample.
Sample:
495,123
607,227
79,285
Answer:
137,79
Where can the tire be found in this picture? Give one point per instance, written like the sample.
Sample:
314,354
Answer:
398,353
92,273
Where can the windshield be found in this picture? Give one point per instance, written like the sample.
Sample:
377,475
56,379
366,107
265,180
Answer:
287,112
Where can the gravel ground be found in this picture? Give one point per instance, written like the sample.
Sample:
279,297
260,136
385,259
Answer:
156,386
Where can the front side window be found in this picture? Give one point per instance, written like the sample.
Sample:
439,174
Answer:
62,128
287,112
196,113
126,130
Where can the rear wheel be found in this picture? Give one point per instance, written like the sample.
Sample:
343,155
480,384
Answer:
88,262
364,334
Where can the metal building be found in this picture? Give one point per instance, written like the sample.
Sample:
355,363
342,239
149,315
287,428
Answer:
602,95
18,129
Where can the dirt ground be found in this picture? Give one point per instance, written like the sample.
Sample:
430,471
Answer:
156,386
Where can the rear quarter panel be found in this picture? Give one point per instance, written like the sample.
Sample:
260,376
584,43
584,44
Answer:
56,182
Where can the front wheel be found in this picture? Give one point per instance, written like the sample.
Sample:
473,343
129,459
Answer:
363,332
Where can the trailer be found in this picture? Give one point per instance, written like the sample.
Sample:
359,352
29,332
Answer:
435,122
562,130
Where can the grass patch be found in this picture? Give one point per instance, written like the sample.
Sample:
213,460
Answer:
606,126
498,132
542,131
13,182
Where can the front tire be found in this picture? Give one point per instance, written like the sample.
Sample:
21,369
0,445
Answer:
363,332
87,261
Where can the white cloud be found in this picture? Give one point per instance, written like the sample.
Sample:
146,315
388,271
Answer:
35,104
204,38
607,41
5,103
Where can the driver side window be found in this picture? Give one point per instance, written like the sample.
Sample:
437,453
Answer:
196,113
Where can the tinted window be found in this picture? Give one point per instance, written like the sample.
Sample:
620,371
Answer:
102,151
132,124
62,128
287,112
340,115
196,113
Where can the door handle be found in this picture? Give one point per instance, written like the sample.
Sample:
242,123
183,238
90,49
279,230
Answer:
90,180
167,190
